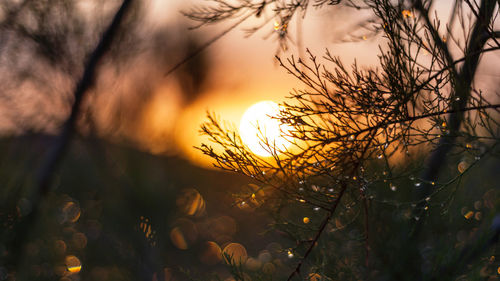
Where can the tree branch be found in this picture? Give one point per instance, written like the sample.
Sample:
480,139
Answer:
335,204
320,231
462,89
462,84
60,145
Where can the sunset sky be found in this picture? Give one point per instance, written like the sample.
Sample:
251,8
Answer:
244,69
241,71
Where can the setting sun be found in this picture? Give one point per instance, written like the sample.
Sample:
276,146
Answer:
258,124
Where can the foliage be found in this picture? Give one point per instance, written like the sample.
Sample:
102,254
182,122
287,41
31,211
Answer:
356,167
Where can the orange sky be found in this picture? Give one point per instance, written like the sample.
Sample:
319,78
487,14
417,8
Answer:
245,72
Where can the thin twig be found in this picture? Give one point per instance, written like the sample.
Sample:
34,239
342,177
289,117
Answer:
320,231
206,45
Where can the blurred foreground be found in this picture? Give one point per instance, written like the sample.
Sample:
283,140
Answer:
118,214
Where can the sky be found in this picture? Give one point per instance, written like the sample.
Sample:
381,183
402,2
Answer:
245,70
242,71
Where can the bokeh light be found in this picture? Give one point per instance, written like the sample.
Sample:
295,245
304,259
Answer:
211,253
235,253
60,247
70,212
183,234
190,202
79,240
73,264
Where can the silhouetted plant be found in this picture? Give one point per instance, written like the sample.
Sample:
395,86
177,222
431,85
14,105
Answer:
366,143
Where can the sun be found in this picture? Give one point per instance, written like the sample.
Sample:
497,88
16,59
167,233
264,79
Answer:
258,124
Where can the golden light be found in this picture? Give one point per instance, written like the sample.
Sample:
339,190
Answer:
257,126
73,264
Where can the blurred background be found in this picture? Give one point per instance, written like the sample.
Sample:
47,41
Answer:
132,194
134,101
132,200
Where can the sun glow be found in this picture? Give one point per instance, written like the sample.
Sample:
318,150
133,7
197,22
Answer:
258,124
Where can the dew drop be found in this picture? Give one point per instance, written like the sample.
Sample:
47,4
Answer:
407,14
276,25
